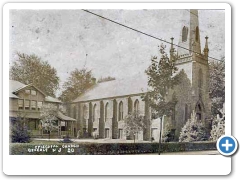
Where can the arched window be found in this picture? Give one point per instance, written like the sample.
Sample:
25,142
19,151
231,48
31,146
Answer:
197,34
199,111
184,34
94,112
120,111
200,78
136,107
74,111
85,111
106,111
186,112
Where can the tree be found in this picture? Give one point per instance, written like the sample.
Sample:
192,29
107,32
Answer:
218,127
48,118
134,123
217,85
105,79
19,130
161,78
193,130
31,69
79,81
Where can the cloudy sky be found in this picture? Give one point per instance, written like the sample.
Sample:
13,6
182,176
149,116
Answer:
70,39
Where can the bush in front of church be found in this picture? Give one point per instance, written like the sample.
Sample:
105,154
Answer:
218,128
193,130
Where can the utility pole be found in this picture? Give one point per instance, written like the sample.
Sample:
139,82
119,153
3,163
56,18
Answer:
160,134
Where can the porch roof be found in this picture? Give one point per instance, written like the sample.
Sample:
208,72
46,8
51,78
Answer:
63,117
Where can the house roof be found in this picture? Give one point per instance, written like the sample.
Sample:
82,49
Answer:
63,117
13,86
133,85
16,86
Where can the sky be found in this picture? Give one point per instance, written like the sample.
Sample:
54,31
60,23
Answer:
70,39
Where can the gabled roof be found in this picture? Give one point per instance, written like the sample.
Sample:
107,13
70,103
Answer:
116,88
16,86
13,86
17,90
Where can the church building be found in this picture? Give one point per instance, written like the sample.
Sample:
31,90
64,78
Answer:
102,109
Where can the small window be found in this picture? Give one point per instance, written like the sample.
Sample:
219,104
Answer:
20,104
33,105
27,91
39,104
33,92
27,104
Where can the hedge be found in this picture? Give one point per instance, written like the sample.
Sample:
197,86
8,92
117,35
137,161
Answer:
105,148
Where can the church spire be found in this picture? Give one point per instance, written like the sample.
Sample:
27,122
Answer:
189,35
206,50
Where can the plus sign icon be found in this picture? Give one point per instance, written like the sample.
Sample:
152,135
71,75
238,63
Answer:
227,145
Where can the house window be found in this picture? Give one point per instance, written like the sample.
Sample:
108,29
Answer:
106,111
33,92
136,107
27,104
94,113
120,111
27,91
184,34
39,104
197,34
33,105
20,104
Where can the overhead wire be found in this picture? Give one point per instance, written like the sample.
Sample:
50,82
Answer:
133,29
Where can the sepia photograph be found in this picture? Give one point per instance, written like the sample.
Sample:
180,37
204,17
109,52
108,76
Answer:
116,81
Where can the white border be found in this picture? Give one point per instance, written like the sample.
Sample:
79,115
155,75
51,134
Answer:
114,165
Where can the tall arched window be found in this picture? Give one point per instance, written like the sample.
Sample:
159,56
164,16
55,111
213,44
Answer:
74,112
136,107
199,111
200,78
184,34
186,112
94,112
106,111
85,112
197,34
120,111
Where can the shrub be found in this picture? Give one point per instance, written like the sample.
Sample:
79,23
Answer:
218,128
193,130
19,132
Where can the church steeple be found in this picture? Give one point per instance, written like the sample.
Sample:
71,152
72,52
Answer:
189,35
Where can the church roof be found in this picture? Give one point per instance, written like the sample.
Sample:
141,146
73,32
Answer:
116,88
